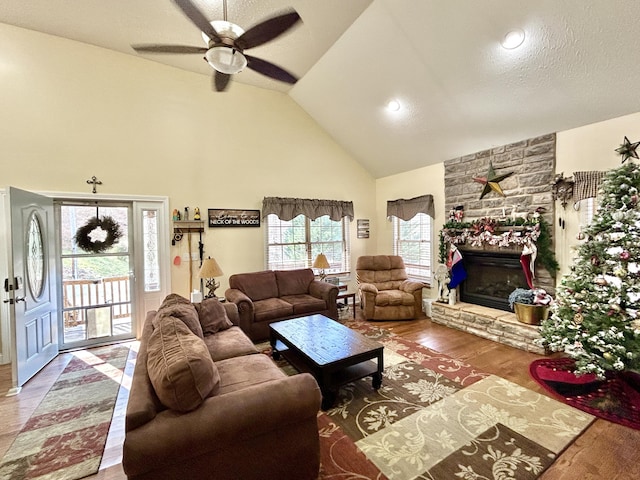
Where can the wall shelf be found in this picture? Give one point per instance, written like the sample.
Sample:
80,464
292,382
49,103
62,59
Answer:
182,227
186,226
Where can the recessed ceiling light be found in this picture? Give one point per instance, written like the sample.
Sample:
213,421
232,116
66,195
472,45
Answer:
393,105
513,39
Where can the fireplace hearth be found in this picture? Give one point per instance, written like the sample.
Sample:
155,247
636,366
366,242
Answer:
491,277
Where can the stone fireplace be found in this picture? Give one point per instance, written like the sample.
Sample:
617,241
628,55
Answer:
494,271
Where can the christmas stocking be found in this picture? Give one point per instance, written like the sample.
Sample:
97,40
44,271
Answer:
454,262
528,260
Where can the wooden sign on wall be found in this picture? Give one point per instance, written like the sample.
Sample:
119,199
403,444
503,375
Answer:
226,217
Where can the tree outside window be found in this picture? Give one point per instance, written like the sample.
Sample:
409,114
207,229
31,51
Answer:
412,241
296,243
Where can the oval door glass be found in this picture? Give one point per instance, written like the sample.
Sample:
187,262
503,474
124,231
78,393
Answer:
35,256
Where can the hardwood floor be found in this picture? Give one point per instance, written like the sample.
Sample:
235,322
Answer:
604,451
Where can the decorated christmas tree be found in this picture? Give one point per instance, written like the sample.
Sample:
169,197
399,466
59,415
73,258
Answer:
596,318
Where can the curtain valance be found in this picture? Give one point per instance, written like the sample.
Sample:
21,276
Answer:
586,184
407,209
288,208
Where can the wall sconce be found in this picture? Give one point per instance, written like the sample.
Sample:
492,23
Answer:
321,263
562,189
209,270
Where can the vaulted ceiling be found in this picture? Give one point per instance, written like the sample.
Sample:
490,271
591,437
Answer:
459,91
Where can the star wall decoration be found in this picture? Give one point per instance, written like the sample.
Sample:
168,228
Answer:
628,149
492,182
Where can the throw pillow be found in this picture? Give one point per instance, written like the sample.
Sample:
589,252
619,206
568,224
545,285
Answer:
176,306
213,316
180,367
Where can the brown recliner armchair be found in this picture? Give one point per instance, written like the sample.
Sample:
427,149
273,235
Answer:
385,291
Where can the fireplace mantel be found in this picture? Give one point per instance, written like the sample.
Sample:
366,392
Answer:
484,234
490,234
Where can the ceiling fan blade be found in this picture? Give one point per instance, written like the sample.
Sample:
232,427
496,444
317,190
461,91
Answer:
267,30
270,70
198,18
151,48
220,81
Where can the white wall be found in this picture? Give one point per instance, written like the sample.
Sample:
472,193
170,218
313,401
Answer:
148,129
422,181
591,147
70,111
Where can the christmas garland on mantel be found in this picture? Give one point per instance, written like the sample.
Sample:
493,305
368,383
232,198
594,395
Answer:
489,231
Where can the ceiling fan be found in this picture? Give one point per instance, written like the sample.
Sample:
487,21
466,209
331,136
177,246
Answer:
226,43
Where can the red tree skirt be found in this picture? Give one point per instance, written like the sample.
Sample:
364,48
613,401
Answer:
617,398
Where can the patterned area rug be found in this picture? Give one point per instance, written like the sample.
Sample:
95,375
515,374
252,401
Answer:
438,418
617,398
65,437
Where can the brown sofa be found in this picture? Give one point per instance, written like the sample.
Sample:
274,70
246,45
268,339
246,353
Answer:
385,291
205,404
274,295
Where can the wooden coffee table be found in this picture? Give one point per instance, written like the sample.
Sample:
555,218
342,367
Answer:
332,353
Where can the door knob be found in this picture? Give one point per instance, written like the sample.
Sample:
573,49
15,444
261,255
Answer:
19,299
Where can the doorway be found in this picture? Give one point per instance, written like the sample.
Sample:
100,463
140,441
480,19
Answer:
149,275
96,262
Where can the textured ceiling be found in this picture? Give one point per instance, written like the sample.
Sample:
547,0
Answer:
460,91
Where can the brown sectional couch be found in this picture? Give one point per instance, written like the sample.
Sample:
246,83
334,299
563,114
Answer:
204,403
274,295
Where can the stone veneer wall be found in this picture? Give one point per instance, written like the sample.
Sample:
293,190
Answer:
496,325
533,162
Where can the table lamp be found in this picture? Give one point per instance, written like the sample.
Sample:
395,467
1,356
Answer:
209,270
321,263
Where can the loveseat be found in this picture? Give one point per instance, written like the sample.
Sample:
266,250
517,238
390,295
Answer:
204,403
273,295
386,293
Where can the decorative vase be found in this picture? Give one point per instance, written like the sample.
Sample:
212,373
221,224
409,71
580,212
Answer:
531,314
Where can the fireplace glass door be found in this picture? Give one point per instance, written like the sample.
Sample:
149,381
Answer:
491,277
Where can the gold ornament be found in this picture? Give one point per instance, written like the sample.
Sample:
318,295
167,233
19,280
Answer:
607,356
620,272
578,318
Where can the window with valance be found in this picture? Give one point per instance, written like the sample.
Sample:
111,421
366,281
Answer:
412,233
586,184
289,208
299,229
407,209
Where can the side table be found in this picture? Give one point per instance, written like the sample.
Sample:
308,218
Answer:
346,295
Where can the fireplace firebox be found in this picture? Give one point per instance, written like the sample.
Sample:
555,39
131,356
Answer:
491,277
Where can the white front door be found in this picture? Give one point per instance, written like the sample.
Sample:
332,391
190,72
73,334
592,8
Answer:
30,288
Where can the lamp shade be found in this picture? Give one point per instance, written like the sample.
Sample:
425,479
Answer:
210,269
321,262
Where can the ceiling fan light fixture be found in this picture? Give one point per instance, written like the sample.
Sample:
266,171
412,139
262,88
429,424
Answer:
226,59
513,39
